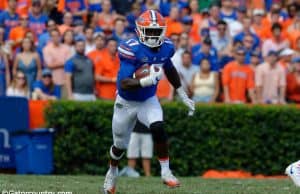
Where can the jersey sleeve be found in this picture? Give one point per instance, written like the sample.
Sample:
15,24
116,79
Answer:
127,61
126,53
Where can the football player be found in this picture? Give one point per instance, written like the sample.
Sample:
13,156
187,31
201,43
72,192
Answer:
136,97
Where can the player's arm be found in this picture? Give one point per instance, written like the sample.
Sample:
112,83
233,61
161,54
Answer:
128,67
174,79
129,83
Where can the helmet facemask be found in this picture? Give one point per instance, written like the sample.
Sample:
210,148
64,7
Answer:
151,36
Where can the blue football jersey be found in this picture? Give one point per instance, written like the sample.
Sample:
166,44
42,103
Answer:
133,55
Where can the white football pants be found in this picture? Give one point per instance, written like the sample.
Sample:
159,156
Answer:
125,116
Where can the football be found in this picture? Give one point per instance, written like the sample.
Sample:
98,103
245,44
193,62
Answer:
143,71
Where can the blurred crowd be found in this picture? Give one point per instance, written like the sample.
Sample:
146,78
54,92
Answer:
232,51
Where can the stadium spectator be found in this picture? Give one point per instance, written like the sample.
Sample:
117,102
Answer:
45,89
205,51
68,39
236,26
52,12
292,12
275,15
79,75
248,31
94,6
30,35
212,21
95,55
294,29
106,71
186,71
257,23
55,55
67,23
277,42
5,46
9,18
197,21
107,17
89,40
122,7
45,37
285,59
187,25
297,47
78,28
140,146
293,85
165,7
175,39
269,21
182,45
227,11
37,19
148,5
22,6
222,40
76,7
173,22
205,84
248,44
270,80
238,79
132,16
92,21
4,73
17,33
255,59
19,86
28,61
119,32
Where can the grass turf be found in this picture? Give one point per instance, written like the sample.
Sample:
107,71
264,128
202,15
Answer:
153,185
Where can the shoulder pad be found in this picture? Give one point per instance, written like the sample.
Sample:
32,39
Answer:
128,48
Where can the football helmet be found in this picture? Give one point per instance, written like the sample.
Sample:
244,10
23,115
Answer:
151,28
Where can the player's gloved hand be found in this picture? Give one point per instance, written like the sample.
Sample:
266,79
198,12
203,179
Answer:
155,75
186,100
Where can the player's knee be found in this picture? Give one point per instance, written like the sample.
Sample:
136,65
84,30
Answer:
159,134
116,153
120,139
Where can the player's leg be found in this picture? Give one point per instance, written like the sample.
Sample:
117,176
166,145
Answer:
147,152
123,121
151,115
293,171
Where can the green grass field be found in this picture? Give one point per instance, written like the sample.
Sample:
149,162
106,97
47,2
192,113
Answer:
91,185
